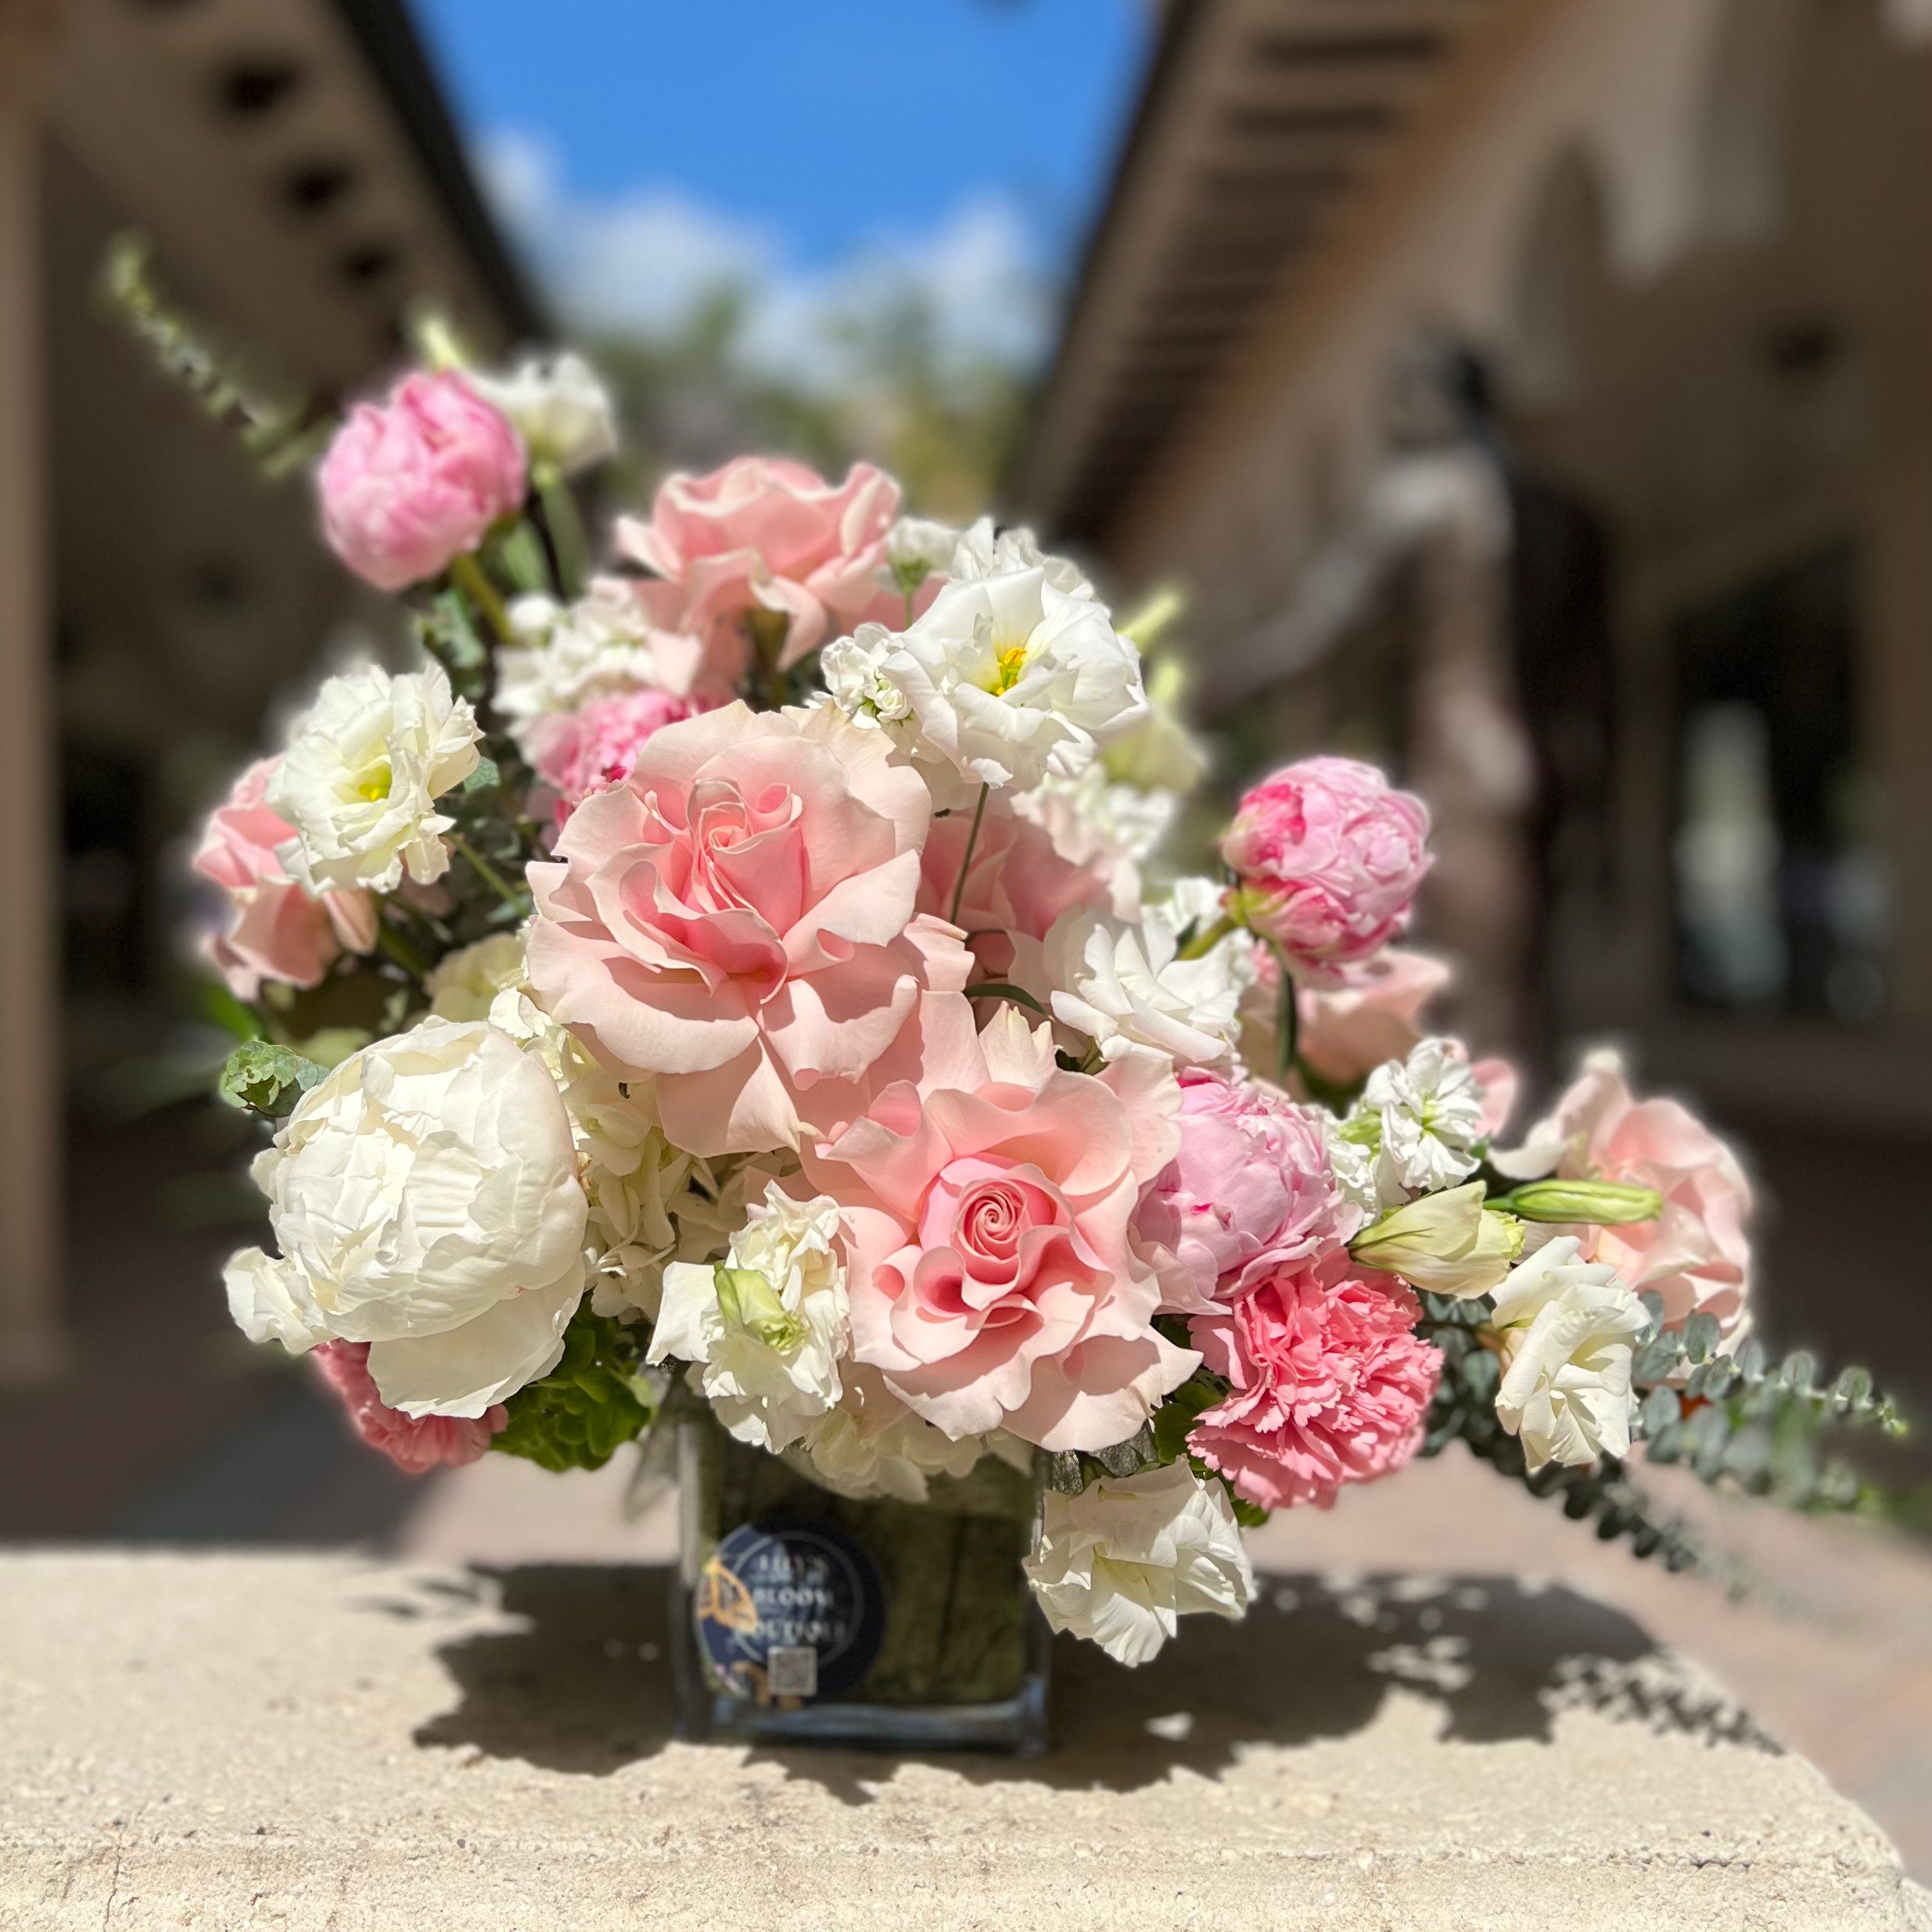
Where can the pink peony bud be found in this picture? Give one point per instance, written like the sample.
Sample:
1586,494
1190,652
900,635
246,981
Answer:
580,753
1328,858
418,1444
411,483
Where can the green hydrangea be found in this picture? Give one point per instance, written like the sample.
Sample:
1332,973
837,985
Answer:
595,1400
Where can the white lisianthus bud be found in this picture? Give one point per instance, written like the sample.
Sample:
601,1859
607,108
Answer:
768,1325
1124,988
425,1199
558,405
1569,1329
1125,1559
465,984
365,763
1448,1243
916,549
1160,754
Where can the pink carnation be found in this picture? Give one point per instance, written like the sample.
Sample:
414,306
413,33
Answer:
1328,860
766,533
1696,1254
413,481
578,754
736,922
416,1444
1250,1192
276,929
993,1280
1329,1383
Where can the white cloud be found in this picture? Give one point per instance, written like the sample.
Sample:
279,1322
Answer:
644,259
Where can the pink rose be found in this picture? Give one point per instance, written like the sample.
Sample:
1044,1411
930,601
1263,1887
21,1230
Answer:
1330,1381
1328,860
766,533
578,754
1250,1191
416,1444
1348,1032
1696,1254
736,920
993,1280
277,929
412,483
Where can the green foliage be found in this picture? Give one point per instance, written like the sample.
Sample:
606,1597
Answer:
595,1400
262,1078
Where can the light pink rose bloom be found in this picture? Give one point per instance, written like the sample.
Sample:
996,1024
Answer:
1328,858
578,754
1348,1032
412,482
993,1277
277,929
766,533
1330,1383
1696,1254
418,1444
737,919
1249,1192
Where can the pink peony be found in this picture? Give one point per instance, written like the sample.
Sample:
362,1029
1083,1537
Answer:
1250,1192
416,1444
277,929
993,1277
1329,1383
737,922
1328,860
1696,1254
412,483
578,754
766,533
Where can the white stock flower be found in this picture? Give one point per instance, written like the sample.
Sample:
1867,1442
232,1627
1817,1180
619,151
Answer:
1424,1116
768,1325
365,764
1119,819
465,984
559,406
986,551
1353,1166
1569,1329
1123,1560
1004,678
872,1444
855,683
425,1199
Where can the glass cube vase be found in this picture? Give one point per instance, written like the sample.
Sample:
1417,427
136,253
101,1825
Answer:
804,1617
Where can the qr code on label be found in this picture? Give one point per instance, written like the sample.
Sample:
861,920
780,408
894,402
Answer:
791,1671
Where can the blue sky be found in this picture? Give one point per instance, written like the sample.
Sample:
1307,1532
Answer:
644,149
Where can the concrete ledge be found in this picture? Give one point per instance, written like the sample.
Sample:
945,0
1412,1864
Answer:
310,1741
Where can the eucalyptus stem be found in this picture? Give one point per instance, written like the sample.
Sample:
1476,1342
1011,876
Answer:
966,858
488,872
467,574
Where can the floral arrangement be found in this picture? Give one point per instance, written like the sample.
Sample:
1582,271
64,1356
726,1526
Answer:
748,975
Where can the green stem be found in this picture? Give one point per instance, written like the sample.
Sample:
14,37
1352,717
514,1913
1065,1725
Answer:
966,858
1203,943
1288,1046
909,610
467,574
567,530
488,872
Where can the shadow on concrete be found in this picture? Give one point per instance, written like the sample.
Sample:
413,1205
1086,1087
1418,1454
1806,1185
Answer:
581,1682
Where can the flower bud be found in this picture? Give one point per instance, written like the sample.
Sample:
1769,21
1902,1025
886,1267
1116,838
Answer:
1609,1204
1447,1243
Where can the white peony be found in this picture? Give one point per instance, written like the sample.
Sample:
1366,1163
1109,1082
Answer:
768,1325
425,1199
1123,1560
1004,678
559,406
364,766
872,1444
465,983
987,551
1569,1329
1424,1117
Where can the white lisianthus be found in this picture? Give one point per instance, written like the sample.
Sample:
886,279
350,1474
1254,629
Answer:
466,982
986,551
769,1325
559,406
1424,1118
425,1199
1123,986
1004,678
569,655
1123,1561
872,1444
365,764
1569,1329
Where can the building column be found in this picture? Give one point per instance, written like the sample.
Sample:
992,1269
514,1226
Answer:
30,1107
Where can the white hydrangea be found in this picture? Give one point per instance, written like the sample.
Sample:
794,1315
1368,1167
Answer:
1123,1561
560,407
872,1444
769,1325
1004,679
465,984
365,764
1569,1329
1424,1118
425,1199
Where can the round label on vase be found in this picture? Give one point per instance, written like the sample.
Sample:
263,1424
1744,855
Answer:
789,1611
